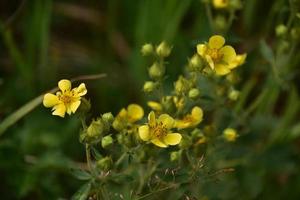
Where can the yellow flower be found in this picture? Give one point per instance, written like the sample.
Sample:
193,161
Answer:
218,56
190,120
155,106
238,61
128,116
230,134
65,100
158,131
220,3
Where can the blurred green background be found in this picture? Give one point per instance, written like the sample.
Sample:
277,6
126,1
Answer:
43,41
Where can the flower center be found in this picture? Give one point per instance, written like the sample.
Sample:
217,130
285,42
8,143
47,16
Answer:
66,98
159,131
215,55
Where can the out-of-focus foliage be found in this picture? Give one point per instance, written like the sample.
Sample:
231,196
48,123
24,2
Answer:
44,41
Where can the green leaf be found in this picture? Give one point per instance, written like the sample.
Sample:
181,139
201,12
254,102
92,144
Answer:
83,192
81,174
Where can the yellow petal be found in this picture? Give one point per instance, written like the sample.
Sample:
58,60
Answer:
172,138
144,132
59,110
201,49
81,90
135,113
50,100
122,113
74,106
166,120
222,69
151,119
158,143
197,114
239,60
64,85
228,54
182,124
154,105
210,61
216,42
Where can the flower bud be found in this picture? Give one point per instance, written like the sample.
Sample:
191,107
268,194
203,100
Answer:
108,117
175,155
194,93
95,129
105,163
281,30
295,33
181,85
233,94
195,63
230,134
156,71
219,4
106,141
149,86
147,49
85,106
163,49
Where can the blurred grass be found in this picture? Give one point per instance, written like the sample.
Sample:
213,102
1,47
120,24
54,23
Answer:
49,40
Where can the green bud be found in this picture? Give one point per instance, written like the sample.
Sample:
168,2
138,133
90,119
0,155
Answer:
181,85
95,129
85,106
220,22
195,63
108,117
186,142
196,133
105,163
163,49
194,93
175,155
281,30
295,33
106,141
156,71
233,94
167,103
149,86
147,49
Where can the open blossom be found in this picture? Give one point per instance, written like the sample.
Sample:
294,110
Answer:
158,131
220,58
190,120
128,116
66,100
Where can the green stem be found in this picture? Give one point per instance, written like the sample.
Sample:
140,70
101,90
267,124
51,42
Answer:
88,156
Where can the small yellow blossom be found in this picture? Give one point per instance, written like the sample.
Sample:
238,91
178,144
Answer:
158,131
230,134
190,120
128,116
218,56
155,106
218,4
65,100
238,61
